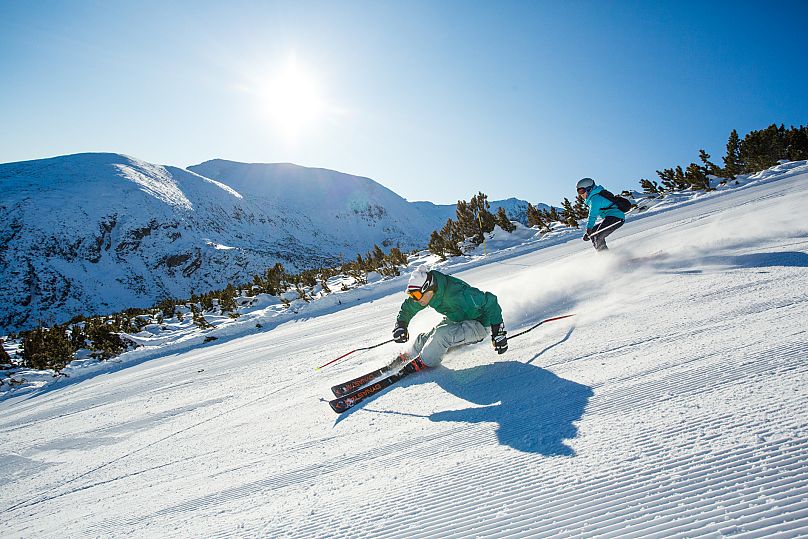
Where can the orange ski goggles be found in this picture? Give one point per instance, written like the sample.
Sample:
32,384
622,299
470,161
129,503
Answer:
415,294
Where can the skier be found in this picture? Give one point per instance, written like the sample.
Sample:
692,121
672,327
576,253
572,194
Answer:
599,206
467,312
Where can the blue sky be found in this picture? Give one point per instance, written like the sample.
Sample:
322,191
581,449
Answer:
435,100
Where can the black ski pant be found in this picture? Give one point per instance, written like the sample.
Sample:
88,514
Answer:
603,229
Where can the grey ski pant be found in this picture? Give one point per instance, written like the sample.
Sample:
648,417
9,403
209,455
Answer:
608,225
433,345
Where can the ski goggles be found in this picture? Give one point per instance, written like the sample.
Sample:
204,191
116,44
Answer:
415,294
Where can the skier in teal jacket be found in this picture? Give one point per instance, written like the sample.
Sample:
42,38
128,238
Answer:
468,313
599,206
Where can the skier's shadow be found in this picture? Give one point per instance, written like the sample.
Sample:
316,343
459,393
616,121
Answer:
535,410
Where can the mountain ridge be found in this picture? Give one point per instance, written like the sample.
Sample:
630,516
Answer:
97,233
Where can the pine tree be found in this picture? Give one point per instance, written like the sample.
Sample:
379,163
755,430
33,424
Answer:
167,306
697,177
535,217
227,299
378,256
503,222
466,224
77,337
485,219
399,258
301,292
652,188
4,357
709,166
47,348
206,301
473,218
673,179
553,216
568,213
199,318
274,278
580,208
762,149
436,245
104,339
667,177
258,285
451,238
797,144
732,161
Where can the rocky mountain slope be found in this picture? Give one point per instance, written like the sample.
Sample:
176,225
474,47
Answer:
98,233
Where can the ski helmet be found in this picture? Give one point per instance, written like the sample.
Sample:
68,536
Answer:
421,280
586,184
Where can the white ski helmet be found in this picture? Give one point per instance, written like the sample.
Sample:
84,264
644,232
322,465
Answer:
586,184
421,279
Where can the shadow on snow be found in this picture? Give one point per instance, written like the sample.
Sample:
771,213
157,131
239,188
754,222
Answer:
760,260
750,261
534,409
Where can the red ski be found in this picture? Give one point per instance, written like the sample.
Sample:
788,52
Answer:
346,402
344,388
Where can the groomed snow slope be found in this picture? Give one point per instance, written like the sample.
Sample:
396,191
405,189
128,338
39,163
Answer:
674,404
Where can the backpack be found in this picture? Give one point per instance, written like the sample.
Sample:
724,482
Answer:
623,204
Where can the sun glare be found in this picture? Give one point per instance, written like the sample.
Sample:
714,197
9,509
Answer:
293,100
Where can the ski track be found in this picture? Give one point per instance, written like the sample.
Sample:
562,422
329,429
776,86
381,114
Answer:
677,501
616,495
668,415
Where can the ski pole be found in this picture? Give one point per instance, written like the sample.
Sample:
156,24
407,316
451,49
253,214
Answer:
596,232
537,325
351,352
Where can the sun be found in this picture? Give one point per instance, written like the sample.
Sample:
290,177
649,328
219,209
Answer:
293,99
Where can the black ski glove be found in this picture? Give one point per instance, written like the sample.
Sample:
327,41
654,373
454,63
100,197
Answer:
499,338
586,234
400,333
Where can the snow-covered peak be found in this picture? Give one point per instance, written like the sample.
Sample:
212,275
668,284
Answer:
96,233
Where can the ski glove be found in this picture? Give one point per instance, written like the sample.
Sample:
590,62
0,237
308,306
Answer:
587,234
499,338
400,333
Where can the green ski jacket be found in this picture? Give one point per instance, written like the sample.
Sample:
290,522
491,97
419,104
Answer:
457,301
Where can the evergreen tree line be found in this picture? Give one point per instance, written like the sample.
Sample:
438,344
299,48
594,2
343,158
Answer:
54,347
757,151
276,281
474,220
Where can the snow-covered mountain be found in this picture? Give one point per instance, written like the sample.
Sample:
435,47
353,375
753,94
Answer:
99,233
346,214
671,405
94,233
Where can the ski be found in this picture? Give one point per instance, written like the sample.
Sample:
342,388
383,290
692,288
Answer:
346,402
344,388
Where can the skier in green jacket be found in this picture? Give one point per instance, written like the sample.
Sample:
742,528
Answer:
468,313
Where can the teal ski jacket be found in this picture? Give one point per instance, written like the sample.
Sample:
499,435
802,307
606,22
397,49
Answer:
457,301
600,206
